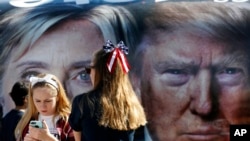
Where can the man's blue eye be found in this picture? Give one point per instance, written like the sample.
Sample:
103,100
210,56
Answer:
230,71
175,71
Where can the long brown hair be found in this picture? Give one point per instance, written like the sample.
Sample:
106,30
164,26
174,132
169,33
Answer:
121,108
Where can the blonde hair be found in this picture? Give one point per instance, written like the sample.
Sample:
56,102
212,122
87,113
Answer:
121,108
21,28
63,105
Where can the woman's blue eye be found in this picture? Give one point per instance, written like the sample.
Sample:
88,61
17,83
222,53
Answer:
83,76
28,74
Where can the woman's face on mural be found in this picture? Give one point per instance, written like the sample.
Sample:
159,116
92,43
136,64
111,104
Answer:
193,88
63,51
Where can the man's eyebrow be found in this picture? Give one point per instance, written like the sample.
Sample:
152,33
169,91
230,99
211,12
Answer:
179,63
33,64
79,64
174,64
239,60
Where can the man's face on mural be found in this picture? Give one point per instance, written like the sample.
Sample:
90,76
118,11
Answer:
64,51
193,88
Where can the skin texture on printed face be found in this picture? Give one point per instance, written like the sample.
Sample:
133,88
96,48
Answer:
193,88
63,51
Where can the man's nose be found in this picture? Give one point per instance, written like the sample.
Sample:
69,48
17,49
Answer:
201,94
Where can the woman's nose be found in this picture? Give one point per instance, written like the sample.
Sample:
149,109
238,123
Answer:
43,105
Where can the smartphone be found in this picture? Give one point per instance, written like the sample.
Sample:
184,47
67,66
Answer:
36,123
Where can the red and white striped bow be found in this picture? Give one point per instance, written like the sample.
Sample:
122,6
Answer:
117,52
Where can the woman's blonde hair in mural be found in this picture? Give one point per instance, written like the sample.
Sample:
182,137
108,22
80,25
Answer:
21,28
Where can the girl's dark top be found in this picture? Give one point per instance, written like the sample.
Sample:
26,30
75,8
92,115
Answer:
86,123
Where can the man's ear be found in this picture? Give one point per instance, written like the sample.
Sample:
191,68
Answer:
136,84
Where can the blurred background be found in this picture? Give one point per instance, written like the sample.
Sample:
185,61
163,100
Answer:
6,5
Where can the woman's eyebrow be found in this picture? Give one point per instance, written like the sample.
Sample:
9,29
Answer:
37,64
79,64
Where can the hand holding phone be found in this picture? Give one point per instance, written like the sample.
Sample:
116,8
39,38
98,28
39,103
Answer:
36,124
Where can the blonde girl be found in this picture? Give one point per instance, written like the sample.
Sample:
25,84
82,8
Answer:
48,103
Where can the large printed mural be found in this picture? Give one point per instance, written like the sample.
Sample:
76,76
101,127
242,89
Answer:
190,60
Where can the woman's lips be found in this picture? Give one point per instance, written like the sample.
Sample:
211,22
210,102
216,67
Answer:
43,111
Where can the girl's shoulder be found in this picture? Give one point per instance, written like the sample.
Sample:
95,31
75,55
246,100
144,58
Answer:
91,95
